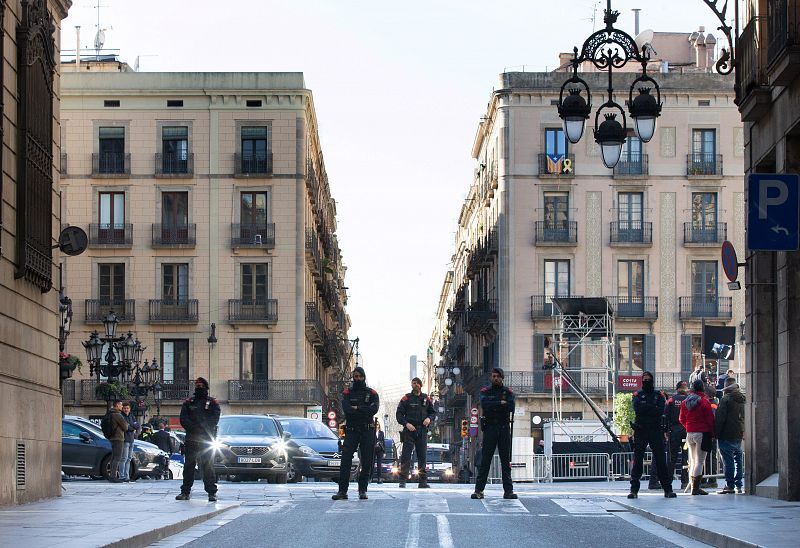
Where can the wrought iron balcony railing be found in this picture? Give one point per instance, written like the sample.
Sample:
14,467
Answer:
180,165
631,232
252,311
306,391
253,235
68,391
174,235
556,232
111,164
176,390
625,306
111,235
632,166
480,315
542,306
703,164
562,165
63,166
314,326
172,311
705,234
783,27
705,307
97,309
253,164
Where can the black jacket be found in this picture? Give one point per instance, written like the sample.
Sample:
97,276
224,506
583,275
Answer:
359,405
494,410
199,417
729,418
163,440
380,443
133,427
672,411
415,409
649,408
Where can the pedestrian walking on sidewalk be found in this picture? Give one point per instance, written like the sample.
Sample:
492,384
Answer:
729,428
359,403
678,456
698,419
497,404
648,405
380,450
162,439
199,417
127,448
414,412
119,425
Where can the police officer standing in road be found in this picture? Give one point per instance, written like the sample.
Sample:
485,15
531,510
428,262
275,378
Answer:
497,403
359,403
678,456
414,412
199,417
648,404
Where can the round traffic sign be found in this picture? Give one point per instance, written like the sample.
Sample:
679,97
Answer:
332,424
473,420
314,415
474,411
331,414
730,263
73,241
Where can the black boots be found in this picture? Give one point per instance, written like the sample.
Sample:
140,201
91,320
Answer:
212,497
633,495
362,495
182,496
340,496
510,495
477,495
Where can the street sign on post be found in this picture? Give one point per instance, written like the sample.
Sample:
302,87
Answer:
730,263
773,203
473,411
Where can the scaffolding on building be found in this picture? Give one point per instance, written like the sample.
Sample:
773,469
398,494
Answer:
582,354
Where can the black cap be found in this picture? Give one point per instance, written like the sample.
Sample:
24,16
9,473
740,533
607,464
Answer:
360,370
499,371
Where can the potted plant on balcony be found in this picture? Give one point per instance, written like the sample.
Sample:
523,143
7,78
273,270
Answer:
68,363
623,415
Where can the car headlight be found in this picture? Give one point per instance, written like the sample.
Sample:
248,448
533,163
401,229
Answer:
217,446
448,472
395,469
305,449
279,447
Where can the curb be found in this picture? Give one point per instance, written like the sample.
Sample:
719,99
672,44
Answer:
701,534
149,537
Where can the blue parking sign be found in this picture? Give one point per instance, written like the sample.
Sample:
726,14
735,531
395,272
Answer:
773,206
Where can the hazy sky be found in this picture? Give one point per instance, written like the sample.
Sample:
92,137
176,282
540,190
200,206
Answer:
399,89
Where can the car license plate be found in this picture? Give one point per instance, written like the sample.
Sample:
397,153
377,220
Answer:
334,463
249,460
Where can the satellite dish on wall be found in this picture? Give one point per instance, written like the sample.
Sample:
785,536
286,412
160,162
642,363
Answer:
645,38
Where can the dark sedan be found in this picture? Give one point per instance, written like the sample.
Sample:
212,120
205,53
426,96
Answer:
313,450
250,447
86,452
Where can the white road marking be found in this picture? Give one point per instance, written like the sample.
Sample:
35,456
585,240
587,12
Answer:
504,506
428,505
445,538
349,507
412,540
580,506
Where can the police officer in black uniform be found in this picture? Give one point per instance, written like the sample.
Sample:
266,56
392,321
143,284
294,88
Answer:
648,404
678,457
199,417
360,403
497,403
414,412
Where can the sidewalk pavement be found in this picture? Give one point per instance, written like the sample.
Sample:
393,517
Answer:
93,513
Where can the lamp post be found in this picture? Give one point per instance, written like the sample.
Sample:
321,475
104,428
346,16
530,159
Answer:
609,49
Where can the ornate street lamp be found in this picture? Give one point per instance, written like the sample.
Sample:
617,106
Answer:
610,49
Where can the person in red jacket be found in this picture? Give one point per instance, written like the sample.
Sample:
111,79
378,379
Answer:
698,419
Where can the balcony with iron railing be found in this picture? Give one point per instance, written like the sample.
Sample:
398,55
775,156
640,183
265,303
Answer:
634,308
631,234
261,311
313,252
111,235
296,391
558,166
63,166
783,41
174,236
68,391
704,234
704,165
253,235
632,167
174,165
176,391
542,306
696,308
182,311
87,390
111,164
97,309
752,92
481,315
556,233
253,165
315,329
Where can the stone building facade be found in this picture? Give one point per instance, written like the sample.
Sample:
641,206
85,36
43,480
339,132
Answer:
544,219
209,212
30,404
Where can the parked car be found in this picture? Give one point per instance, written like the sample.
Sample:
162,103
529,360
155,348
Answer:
313,450
250,447
86,452
390,470
438,465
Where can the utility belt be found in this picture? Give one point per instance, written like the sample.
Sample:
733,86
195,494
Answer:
493,421
359,426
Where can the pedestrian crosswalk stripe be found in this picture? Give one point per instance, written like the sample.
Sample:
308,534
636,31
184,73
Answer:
504,506
580,506
427,505
348,506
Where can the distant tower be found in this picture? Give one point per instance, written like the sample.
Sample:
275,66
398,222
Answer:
412,366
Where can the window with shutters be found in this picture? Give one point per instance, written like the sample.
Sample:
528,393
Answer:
630,354
253,360
34,197
112,284
175,361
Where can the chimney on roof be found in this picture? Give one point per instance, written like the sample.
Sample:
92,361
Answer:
564,60
698,41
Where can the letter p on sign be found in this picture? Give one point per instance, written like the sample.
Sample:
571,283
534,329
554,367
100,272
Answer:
771,193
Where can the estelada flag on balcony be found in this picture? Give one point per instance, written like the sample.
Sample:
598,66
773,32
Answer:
555,163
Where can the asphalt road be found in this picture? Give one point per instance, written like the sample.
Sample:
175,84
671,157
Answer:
304,515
